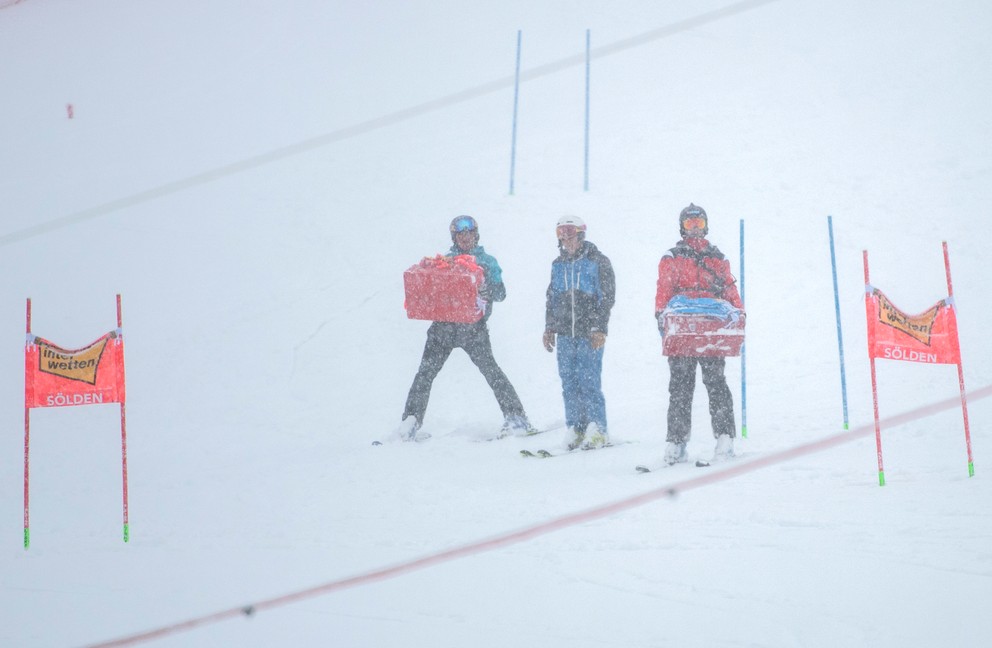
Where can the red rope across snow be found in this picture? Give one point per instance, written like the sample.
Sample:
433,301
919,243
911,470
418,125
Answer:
513,537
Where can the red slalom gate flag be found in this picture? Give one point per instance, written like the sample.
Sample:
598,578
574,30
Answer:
930,337
57,377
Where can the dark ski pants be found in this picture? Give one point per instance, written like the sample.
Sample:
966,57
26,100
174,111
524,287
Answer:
442,339
580,368
681,385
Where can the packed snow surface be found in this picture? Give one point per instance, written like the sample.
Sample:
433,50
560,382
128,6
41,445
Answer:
254,177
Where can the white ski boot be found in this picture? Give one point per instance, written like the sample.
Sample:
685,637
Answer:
595,438
724,448
516,425
573,438
675,453
409,430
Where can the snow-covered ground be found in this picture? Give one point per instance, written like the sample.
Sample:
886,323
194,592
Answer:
267,345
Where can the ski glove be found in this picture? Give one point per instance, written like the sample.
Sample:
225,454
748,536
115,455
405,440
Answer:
597,339
549,340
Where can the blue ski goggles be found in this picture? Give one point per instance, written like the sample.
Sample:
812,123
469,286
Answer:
463,224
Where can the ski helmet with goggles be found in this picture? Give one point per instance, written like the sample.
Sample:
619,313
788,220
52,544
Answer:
693,212
573,223
463,224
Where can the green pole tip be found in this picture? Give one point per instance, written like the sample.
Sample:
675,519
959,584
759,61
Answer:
846,427
971,469
27,538
743,431
881,478
127,533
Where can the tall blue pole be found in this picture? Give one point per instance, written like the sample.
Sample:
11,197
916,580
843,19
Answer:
840,337
743,349
586,182
516,98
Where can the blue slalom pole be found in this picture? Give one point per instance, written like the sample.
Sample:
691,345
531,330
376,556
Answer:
516,98
586,182
743,349
840,337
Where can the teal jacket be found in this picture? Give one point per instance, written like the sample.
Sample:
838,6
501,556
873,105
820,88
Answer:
494,290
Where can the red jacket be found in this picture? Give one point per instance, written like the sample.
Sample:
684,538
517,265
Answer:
695,268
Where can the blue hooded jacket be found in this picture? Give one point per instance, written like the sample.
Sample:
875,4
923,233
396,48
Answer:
581,293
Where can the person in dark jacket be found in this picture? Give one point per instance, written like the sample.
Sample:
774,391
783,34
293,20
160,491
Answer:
445,337
695,268
579,299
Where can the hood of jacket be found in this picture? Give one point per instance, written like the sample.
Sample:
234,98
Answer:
587,248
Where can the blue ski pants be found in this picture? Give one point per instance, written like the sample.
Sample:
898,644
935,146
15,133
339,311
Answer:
581,367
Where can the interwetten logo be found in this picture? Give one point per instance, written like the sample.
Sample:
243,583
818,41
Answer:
917,327
78,365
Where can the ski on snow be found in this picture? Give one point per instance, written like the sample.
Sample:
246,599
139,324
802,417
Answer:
528,433
424,436
641,468
546,454
543,454
699,463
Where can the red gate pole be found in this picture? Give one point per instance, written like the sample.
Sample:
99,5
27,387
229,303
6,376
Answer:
964,400
874,385
121,382
27,443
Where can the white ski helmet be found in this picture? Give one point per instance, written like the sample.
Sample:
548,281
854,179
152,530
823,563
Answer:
573,221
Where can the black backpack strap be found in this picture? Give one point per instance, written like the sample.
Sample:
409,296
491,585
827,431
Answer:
682,249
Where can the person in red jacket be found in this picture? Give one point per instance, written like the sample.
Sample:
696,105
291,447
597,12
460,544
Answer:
695,268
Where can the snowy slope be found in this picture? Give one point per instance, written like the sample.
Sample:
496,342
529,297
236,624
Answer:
267,346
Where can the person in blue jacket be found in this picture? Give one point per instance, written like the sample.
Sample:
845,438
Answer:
445,337
579,300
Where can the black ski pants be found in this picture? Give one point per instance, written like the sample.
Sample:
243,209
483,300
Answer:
442,339
682,384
